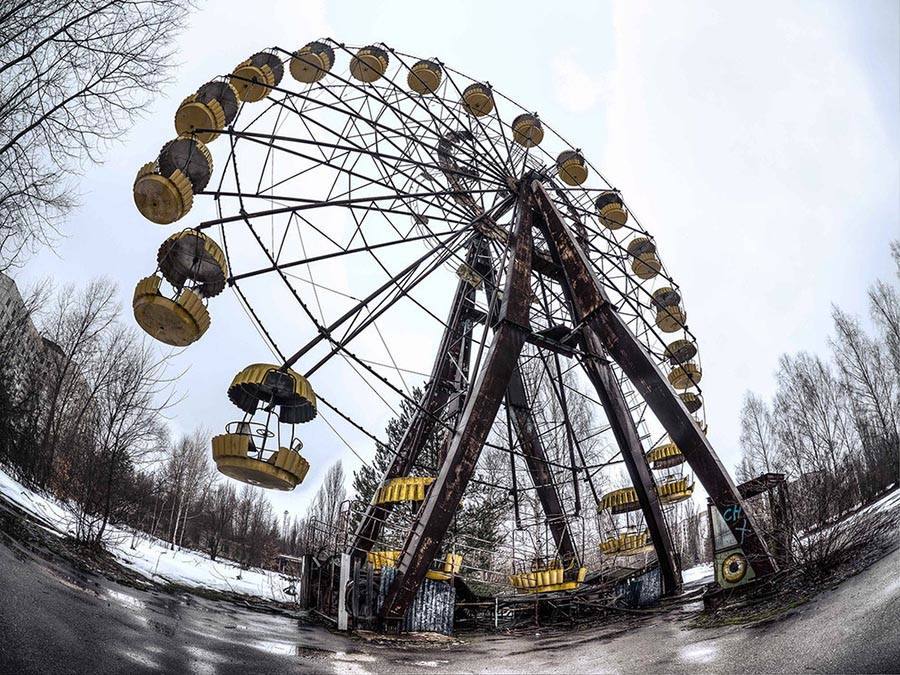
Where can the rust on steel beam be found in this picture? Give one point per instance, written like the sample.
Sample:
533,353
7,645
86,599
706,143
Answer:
612,398
541,261
539,468
637,364
437,511
601,375
533,449
451,350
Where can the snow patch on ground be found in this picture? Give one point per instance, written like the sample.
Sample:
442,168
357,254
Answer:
888,502
55,516
699,575
149,556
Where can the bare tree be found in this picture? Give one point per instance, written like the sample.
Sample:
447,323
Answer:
884,307
758,438
75,370
73,77
218,517
126,427
317,530
834,430
188,478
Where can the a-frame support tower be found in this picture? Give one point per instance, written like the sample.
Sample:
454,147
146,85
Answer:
604,338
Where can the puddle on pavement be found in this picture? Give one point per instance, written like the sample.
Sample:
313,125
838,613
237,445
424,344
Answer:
698,652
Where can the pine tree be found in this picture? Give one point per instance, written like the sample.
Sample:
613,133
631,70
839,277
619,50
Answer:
483,507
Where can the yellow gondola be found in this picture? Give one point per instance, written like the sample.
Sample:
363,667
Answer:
164,190
478,99
680,351
611,210
191,256
622,500
235,455
205,113
177,321
665,456
645,264
671,319
267,384
691,401
369,64
254,78
402,489
312,62
527,130
674,490
572,167
446,570
425,77
627,544
685,376
548,579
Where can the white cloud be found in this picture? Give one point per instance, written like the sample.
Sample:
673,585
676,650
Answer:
577,90
749,143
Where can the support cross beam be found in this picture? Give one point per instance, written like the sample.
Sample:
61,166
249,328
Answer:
540,470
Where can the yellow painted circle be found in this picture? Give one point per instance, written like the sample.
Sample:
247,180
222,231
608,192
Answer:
734,568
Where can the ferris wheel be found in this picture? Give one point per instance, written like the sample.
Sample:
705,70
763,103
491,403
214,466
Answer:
383,218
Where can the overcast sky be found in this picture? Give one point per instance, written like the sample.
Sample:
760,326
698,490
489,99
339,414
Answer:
758,143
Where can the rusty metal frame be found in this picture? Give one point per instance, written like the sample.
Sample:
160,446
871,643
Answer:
443,498
609,391
603,320
601,375
437,393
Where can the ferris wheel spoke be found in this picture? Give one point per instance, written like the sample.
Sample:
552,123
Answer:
261,139
406,292
327,330
378,128
506,169
407,119
341,253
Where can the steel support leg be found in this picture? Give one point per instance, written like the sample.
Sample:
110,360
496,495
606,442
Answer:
435,397
536,459
622,345
443,497
625,431
539,468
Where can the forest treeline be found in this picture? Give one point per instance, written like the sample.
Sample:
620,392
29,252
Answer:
833,424
83,399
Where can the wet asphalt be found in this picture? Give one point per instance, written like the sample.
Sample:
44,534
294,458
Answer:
54,619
